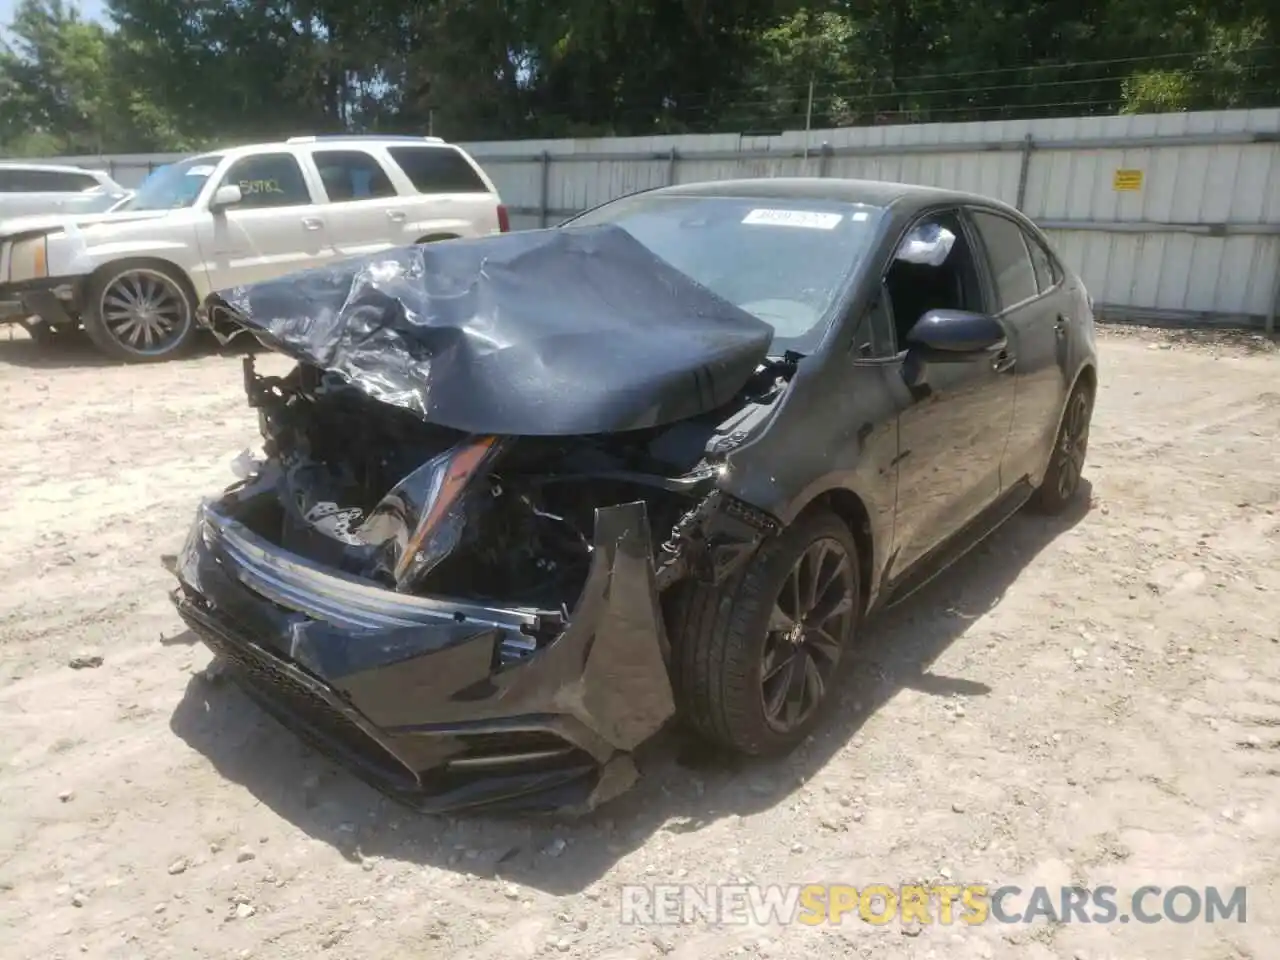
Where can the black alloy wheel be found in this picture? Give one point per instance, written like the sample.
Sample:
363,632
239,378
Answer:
811,616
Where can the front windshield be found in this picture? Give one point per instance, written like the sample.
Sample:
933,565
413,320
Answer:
784,260
173,187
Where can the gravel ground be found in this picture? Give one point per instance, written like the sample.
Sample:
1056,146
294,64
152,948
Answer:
1093,700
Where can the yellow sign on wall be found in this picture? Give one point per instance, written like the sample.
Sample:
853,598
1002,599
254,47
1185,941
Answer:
1127,180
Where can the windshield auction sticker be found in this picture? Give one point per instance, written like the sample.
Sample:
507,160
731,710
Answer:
808,219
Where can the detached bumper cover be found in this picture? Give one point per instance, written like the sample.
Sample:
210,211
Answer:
441,703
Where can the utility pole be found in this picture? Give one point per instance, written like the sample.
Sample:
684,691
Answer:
808,119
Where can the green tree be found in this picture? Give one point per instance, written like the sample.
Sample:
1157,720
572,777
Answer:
54,74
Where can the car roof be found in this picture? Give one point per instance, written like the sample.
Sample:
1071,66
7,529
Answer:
879,193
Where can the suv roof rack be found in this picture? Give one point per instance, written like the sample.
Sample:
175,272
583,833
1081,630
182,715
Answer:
361,136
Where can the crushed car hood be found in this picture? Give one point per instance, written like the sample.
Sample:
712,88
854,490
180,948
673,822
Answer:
547,332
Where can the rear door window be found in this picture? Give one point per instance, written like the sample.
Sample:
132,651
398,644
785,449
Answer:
350,175
1011,268
437,170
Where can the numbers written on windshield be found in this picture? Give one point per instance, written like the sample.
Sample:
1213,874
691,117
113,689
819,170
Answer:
251,187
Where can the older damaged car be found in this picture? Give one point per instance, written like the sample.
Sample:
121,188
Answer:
525,498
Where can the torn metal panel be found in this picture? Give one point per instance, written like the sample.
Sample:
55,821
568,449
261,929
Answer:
440,702
538,333
713,540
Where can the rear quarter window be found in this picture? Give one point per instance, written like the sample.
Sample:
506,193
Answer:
437,170
1047,272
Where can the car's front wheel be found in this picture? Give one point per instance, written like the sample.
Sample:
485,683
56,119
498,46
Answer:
139,312
755,659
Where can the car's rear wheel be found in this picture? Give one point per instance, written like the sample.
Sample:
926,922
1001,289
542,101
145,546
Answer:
139,312
1066,464
755,659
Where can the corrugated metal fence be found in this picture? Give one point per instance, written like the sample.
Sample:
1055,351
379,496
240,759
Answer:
1171,218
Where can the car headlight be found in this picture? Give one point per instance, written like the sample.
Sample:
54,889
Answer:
422,518
29,259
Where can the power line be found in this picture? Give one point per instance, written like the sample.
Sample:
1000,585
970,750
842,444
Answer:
800,88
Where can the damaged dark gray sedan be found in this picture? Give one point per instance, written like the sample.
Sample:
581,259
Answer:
525,498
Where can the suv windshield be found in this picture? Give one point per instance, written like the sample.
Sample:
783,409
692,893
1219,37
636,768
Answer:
784,260
173,187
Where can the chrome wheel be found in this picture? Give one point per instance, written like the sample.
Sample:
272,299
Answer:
145,312
812,617
1073,444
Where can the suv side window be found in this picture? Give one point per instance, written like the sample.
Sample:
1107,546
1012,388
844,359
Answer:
437,170
1046,271
1011,267
352,175
268,180
45,181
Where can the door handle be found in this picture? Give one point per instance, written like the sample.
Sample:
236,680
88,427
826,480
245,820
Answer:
312,223
396,216
1060,327
1003,361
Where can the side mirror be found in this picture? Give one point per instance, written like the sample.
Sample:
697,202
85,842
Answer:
950,336
227,195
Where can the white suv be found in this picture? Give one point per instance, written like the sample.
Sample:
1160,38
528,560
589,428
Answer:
134,277
28,188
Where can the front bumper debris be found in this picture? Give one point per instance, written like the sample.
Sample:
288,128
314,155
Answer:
50,300
440,703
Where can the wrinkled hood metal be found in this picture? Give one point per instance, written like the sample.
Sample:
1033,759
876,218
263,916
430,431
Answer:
537,333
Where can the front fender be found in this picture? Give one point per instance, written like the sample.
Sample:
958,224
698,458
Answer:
73,253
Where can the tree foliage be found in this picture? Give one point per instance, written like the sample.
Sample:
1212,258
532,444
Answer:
179,74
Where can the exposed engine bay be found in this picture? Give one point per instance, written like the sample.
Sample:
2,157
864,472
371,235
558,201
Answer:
372,490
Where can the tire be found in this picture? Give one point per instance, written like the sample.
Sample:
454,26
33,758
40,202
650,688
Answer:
1061,481
121,295
723,648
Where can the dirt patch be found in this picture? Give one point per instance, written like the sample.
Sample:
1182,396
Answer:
1094,700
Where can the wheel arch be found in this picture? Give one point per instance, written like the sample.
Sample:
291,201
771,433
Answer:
852,511
1087,376
168,266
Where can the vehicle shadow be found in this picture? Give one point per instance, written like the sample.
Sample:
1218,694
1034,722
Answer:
75,349
682,788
